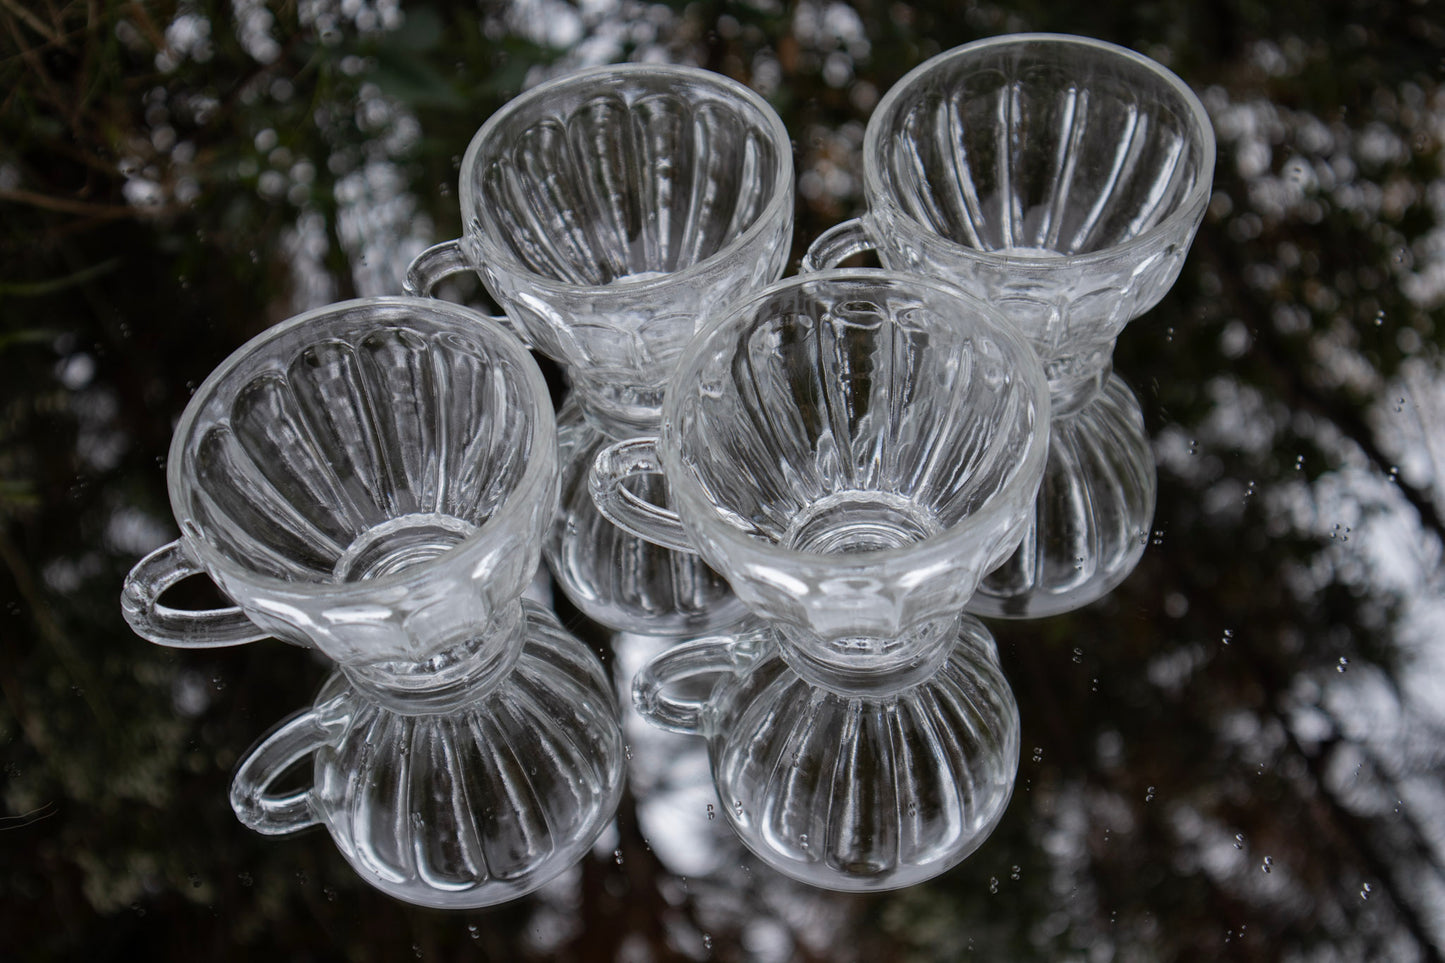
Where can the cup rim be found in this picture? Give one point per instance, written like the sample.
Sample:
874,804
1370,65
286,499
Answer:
1187,210
746,552
782,183
511,512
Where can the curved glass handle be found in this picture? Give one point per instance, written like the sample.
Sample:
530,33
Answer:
836,245
440,261
251,797
689,661
636,516
163,625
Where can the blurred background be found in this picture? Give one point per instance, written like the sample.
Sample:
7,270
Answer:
1239,754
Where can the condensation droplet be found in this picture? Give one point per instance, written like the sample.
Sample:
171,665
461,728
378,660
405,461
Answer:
1015,872
1038,753
1365,891
1149,794
1239,840
1078,657
617,856
1228,637
1265,866
1342,665
710,813
993,884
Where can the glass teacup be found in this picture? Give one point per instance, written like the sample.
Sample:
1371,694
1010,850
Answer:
852,450
1062,179
608,212
373,478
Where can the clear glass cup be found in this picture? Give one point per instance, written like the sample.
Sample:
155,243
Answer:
608,212
452,799
373,478
1062,179
852,450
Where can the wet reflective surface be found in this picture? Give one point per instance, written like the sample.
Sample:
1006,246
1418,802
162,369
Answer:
1237,754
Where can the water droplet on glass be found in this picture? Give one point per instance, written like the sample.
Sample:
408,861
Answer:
738,807
1015,872
1395,473
329,893
1228,637
1265,866
617,856
706,941
1239,840
1149,794
1169,334
1078,657
474,931
1038,753
1158,538
1379,317
1193,447
1365,891
1342,665
993,884
1094,685
710,813
627,751
301,877
803,841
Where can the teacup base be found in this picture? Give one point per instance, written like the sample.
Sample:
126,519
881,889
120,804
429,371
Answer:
615,578
1091,520
461,807
867,793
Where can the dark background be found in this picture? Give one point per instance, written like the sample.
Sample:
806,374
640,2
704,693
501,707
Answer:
1237,755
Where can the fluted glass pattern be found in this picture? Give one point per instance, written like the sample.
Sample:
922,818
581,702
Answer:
1091,521
396,427
478,801
867,793
856,425
614,577
1063,176
611,211
373,478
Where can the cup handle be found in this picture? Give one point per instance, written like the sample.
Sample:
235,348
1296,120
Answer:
636,516
163,625
695,659
836,245
440,261
251,798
